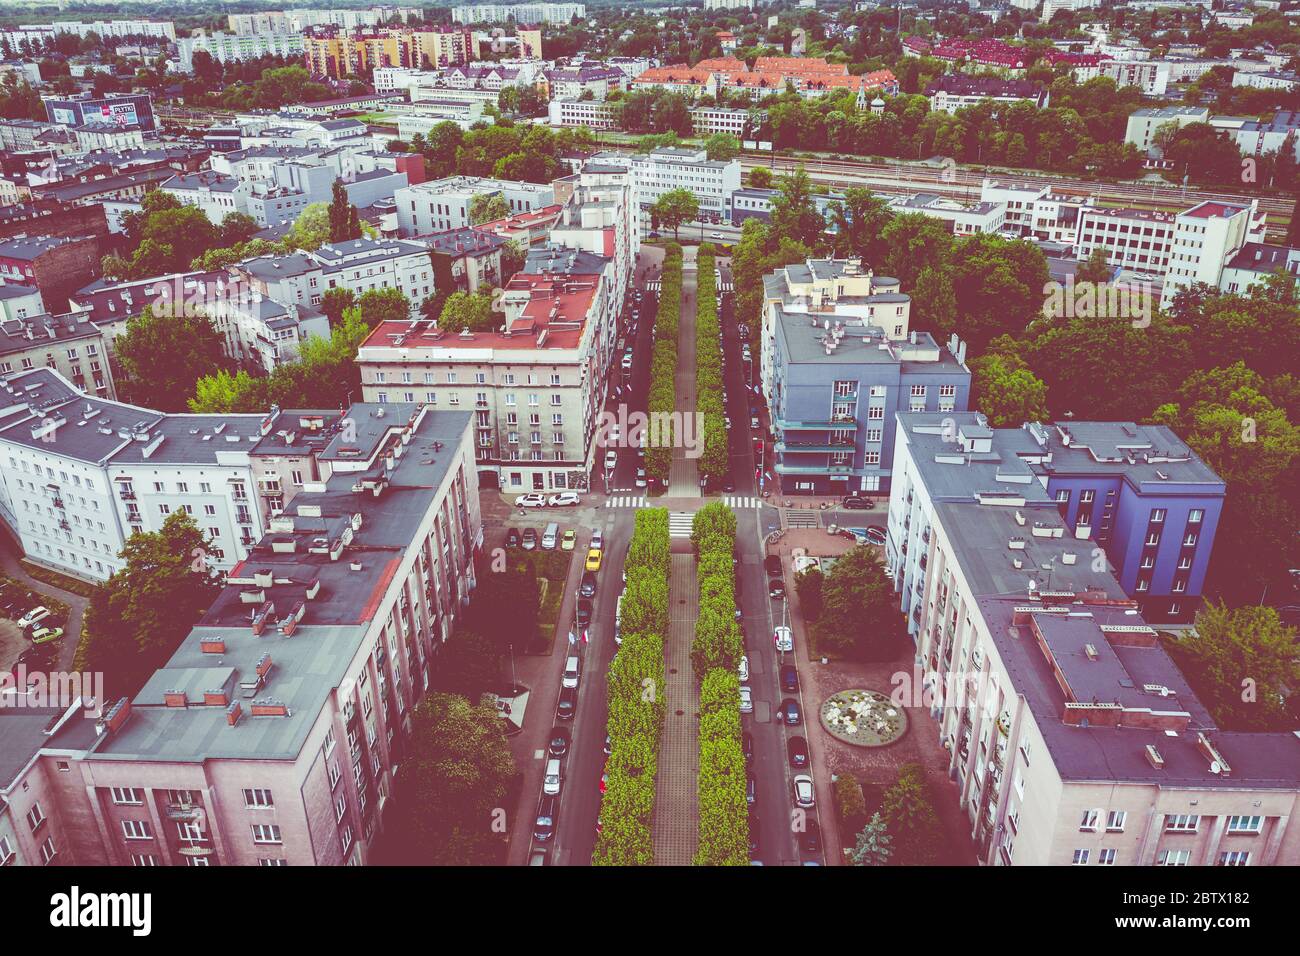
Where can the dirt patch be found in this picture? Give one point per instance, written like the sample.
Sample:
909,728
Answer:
12,643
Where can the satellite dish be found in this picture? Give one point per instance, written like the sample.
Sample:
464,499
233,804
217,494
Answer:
1214,767
1033,585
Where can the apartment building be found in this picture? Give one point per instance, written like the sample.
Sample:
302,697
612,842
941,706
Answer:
473,258
954,91
1206,237
663,170
588,78
56,265
1151,76
272,735
553,13
76,348
162,29
1281,80
1144,123
589,113
1073,738
1252,265
1138,240
443,204
215,195
838,359
964,219
235,48
20,301
1019,199
66,456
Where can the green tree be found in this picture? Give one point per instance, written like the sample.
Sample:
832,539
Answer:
142,613
455,775
794,213
237,228
859,617
1094,269
488,207
513,257
808,585
469,664
311,229
910,819
874,845
722,147
760,177
383,305
1006,391
465,310
344,221
164,355
676,207
334,302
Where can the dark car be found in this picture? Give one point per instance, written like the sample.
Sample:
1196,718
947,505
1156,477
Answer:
789,712
587,588
584,611
559,745
811,838
796,748
544,829
728,485
747,745
789,679
751,789
512,538
776,588
568,704
854,501
753,833
772,564
530,539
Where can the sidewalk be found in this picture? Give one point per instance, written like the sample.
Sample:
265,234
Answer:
677,814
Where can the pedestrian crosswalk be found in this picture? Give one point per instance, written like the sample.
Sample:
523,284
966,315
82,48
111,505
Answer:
742,502
680,524
725,286
795,518
626,501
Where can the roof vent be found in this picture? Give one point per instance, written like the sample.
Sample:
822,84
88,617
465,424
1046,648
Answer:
1154,758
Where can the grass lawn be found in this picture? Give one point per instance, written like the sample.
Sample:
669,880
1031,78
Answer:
552,569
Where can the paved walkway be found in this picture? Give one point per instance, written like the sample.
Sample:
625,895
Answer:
676,816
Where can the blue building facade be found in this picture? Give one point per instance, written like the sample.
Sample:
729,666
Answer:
125,109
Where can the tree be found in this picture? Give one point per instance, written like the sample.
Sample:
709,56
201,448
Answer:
874,844
794,214
1095,268
915,242
469,664
676,207
859,221
455,776
237,228
464,310
163,355
1200,153
1006,391
383,305
910,819
334,302
859,617
488,207
760,177
808,585
722,147
311,229
513,257
142,613
344,221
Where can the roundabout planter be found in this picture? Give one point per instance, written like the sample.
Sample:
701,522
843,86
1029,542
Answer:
863,718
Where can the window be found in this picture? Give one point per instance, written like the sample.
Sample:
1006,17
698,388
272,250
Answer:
47,850
1245,824
1115,821
1086,496
1089,821
1195,516
35,817
137,830
6,851
1106,857
1158,515
266,833
340,808
1181,823
1080,858
258,799
1173,857
271,861
1234,858
1190,540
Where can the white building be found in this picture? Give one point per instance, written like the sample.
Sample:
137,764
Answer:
444,204
1206,238
965,218
589,113
528,13
1287,82
1151,76
729,4
163,29
663,170
79,475
1137,240
231,48
1255,263
216,195
1144,123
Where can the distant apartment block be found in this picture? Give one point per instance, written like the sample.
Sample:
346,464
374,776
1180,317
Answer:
955,91
444,204
1150,76
1144,123
1206,238
235,48
552,13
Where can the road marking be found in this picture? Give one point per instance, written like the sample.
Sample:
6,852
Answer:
680,524
742,502
626,501
795,518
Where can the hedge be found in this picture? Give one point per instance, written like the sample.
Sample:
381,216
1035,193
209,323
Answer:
636,701
717,634
714,459
662,399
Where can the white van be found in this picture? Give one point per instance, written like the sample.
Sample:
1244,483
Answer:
551,783
550,536
572,671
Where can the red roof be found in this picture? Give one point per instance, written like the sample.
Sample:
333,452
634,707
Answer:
1213,210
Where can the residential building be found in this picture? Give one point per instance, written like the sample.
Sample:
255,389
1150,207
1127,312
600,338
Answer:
108,136
1286,82
954,91
444,204
663,170
1143,124
594,80
1151,76
837,360
473,258
161,29
19,301
235,48
729,4
321,645
552,13
1253,264
1206,238
1020,200
55,265
75,348
215,195
1138,240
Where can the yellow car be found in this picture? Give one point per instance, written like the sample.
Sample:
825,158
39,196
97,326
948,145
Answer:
569,540
593,559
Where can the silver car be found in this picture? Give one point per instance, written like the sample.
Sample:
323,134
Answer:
803,792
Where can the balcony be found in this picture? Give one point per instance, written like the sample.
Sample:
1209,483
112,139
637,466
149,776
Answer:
126,494
783,469
816,425
57,502
182,811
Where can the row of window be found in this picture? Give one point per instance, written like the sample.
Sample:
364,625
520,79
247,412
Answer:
1106,857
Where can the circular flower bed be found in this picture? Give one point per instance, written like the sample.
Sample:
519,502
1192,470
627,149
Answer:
863,718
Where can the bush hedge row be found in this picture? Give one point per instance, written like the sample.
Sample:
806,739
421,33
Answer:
714,459
663,365
636,700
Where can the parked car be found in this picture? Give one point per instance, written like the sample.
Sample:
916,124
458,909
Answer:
751,789
876,536
640,478
530,539
784,638
811,839
715,235
803,792
796,751
531,500
611,460
43,635
776,589
754,423
544,829
569,541
609,746
747,745
746,700
597,539
559,744
743,668
789,679
789,712
572,671
728,485
538,857
584,612
35,614
551,781
772,564
565,499
594,559
856,502
512,538
587,586
568,705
